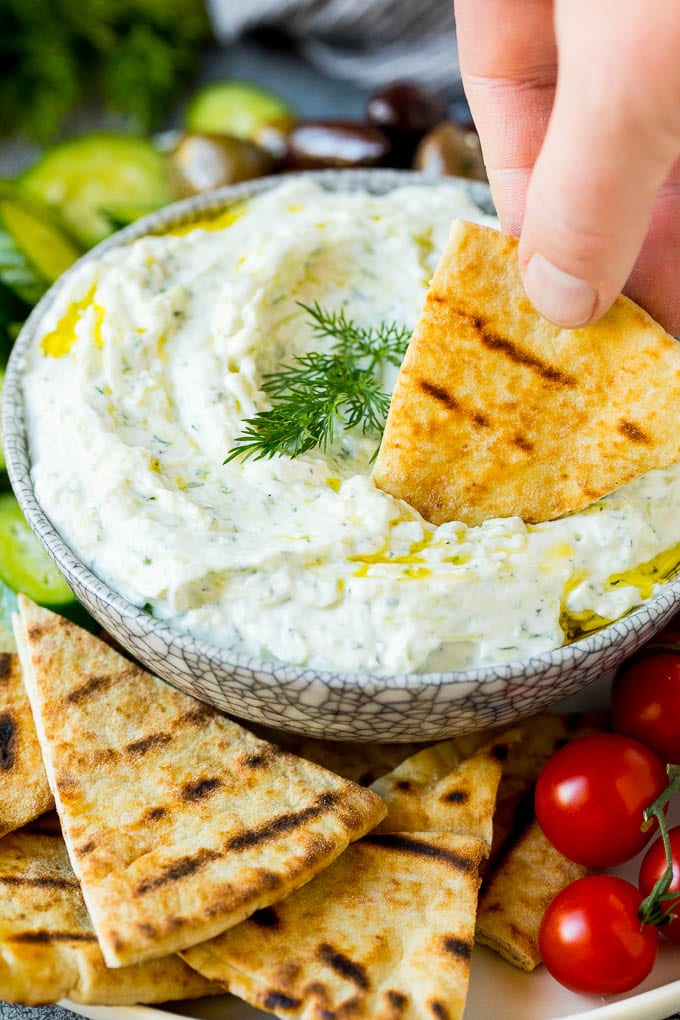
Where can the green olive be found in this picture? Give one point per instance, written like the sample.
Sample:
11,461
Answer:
201,162
449,151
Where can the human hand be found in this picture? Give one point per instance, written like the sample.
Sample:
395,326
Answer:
577,103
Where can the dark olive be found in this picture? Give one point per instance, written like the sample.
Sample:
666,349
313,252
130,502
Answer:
448,151
405,107
200,162
335,143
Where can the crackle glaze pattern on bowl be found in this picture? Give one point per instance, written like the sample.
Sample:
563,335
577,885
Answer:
320,703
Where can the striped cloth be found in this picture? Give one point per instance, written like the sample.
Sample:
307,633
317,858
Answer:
370,42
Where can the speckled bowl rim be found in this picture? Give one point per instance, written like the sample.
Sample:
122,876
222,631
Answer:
649,614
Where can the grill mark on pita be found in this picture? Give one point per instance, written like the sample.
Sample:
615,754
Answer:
86,848
455,796
396,999
633,432
40,881
457,947
438,1009
440,394
260,758
282,824
5,665
414,846
516,354
35,631
277,1000
95,685
8,737
65,781
342,965
182,868
144,744
403,784
266,918
449,401
196,716
522,443
152,814
43,937
201,789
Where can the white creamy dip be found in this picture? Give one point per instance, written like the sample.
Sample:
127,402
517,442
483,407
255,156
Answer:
155,354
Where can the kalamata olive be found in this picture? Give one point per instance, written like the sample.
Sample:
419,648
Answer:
447,150
335,143
200,162
406,107
405,112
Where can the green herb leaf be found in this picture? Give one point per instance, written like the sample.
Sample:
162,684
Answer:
321,391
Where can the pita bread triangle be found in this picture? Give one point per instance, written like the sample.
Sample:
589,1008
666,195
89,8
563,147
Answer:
48,948
440,790
24,790
498,413
517,894
179,822
386,932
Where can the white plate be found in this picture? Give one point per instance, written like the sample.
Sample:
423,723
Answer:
498,991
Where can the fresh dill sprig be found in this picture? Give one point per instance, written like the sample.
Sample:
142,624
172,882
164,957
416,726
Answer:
322,391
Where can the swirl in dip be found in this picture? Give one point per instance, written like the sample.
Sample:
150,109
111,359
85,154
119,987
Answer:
151,359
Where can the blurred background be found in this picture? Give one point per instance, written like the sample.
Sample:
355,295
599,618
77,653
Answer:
111,108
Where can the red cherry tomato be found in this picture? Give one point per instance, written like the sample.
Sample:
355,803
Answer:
591,938
652,868
646,702
590,798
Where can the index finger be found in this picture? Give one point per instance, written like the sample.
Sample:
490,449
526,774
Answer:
508,60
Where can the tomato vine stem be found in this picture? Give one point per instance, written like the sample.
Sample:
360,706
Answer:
654,908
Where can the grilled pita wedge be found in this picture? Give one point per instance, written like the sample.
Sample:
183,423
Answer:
352,942
438,790
361,762
498,413
48,948
541,736
517,894
179,822
24,790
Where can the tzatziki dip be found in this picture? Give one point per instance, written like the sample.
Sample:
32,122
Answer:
152,358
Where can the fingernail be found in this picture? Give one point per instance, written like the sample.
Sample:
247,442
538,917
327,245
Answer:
559,297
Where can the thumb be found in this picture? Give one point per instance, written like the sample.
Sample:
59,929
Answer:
613,135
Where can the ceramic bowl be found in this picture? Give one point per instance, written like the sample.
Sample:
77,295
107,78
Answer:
350,706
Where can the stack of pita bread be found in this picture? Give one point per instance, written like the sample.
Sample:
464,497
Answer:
190,856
